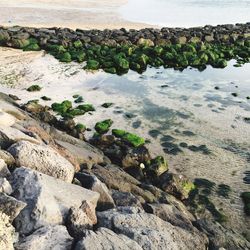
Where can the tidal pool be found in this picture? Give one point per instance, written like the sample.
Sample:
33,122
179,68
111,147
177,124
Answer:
198,120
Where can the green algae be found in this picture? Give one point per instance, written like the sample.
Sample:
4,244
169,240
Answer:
34,88
132,139
103,126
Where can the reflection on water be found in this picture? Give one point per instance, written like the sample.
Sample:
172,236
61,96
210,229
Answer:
188,13
193,118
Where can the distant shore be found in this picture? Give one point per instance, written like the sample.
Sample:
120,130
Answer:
72,14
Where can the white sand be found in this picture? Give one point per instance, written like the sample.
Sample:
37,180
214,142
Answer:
65,13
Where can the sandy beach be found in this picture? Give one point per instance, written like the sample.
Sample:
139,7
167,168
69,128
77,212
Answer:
71,14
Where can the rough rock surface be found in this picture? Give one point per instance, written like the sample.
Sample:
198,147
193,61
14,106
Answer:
5,186
105,239
6,233
122,182
48,199
4,171
42,159
7,157
9,135
10,206
125,199
149,231
6,119
93,183
80,219
50,237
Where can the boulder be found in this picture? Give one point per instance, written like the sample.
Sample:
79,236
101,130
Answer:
48,199
9,135
105,239
145,42
49,237
80,219
122,182
6,120
7,232
4,171
43,159
10,206
5,186
7,157
93,183
125,199
176,184
149,231
220,237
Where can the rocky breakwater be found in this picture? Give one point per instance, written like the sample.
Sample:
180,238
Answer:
60,192
117,51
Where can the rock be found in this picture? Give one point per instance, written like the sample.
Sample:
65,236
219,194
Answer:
7,232
122,182
10,206
48,199
80,219
93,183
105,239
6,119
5,186
49,237
4,37
145,42
171,214
9,135
149,231
4,171
220,237
7,157
43,159
209,38
175,184
125,199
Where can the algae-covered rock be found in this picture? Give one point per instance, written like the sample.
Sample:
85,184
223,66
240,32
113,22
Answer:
63,107
103,127
157,166
4,37
34,88
92,65
86,107
132,139
65,57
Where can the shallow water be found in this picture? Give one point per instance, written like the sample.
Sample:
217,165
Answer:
186,13
190,117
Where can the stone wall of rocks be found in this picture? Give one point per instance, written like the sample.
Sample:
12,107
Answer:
220,33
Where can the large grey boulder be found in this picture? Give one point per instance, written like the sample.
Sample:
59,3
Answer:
124,199
7,232
149,231
48,199
43,159
9,135
105,239
50,237
91,182
10,206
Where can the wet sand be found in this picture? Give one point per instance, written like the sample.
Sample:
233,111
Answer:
92,14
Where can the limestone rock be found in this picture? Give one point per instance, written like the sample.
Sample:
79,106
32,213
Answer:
4,171
5,186
6,119
9,135
6,233
80,219
93,183
50,237
48,199
151,232
7,157
10,206
105,239
43,159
